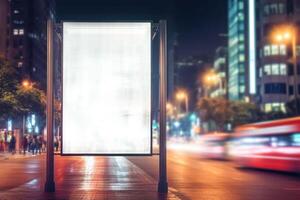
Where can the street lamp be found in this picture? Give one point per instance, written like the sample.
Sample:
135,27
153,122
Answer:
211,79
289,35
26,84
183,96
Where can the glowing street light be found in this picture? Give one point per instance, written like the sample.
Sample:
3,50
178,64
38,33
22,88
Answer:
183,96
211,79
26,84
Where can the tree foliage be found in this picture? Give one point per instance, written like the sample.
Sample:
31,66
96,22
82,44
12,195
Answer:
221,112
215,110
16,100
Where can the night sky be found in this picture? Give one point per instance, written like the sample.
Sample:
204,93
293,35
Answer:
197,23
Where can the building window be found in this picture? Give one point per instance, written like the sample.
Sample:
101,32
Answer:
16,32
16,11
267,70
260,72
277,107
18,22
274,9
291,90
275,69
267,50
242,48
241,37
275,88
241,5
242,89
20,64
283,69
242,58
274,50
290,69
282,49
21,31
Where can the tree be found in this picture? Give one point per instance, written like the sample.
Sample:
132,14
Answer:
8,85
244,112
291,107
215,111
15,99
219,111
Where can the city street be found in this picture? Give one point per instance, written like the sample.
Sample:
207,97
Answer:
190,177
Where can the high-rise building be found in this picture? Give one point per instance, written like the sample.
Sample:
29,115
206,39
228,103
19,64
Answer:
23,38
220,70
276,72
4,27
241,49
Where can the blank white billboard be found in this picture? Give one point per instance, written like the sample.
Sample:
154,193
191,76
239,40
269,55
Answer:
106,88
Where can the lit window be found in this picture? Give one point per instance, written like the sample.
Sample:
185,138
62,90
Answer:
242,89
268,107
275,69
20,64
260,72
241,58
21,31
275,49
281,8
16,11
34,69
241,47
241,37
283,70
16,32
241,5
266,9
275,107
241,16
267,70
267,50
282,49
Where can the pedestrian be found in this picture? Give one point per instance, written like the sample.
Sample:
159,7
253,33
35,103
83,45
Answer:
39,144
56,143
1,145
24,144
12,144
33,145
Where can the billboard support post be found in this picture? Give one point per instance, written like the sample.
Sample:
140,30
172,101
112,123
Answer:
162,183
50,184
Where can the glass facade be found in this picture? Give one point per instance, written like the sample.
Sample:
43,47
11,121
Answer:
236,50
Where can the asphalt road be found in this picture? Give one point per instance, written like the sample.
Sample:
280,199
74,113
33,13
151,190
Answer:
189,176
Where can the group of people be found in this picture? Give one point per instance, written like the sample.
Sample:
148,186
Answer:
29,143
8,142
34,144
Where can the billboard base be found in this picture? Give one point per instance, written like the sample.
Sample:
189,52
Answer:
162,187
49,186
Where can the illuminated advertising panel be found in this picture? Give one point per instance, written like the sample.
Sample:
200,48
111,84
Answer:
106,88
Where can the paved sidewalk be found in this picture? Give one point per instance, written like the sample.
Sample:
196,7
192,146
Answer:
7,156
90,178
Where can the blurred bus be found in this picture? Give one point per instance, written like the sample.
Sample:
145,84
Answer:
215,145
273,145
